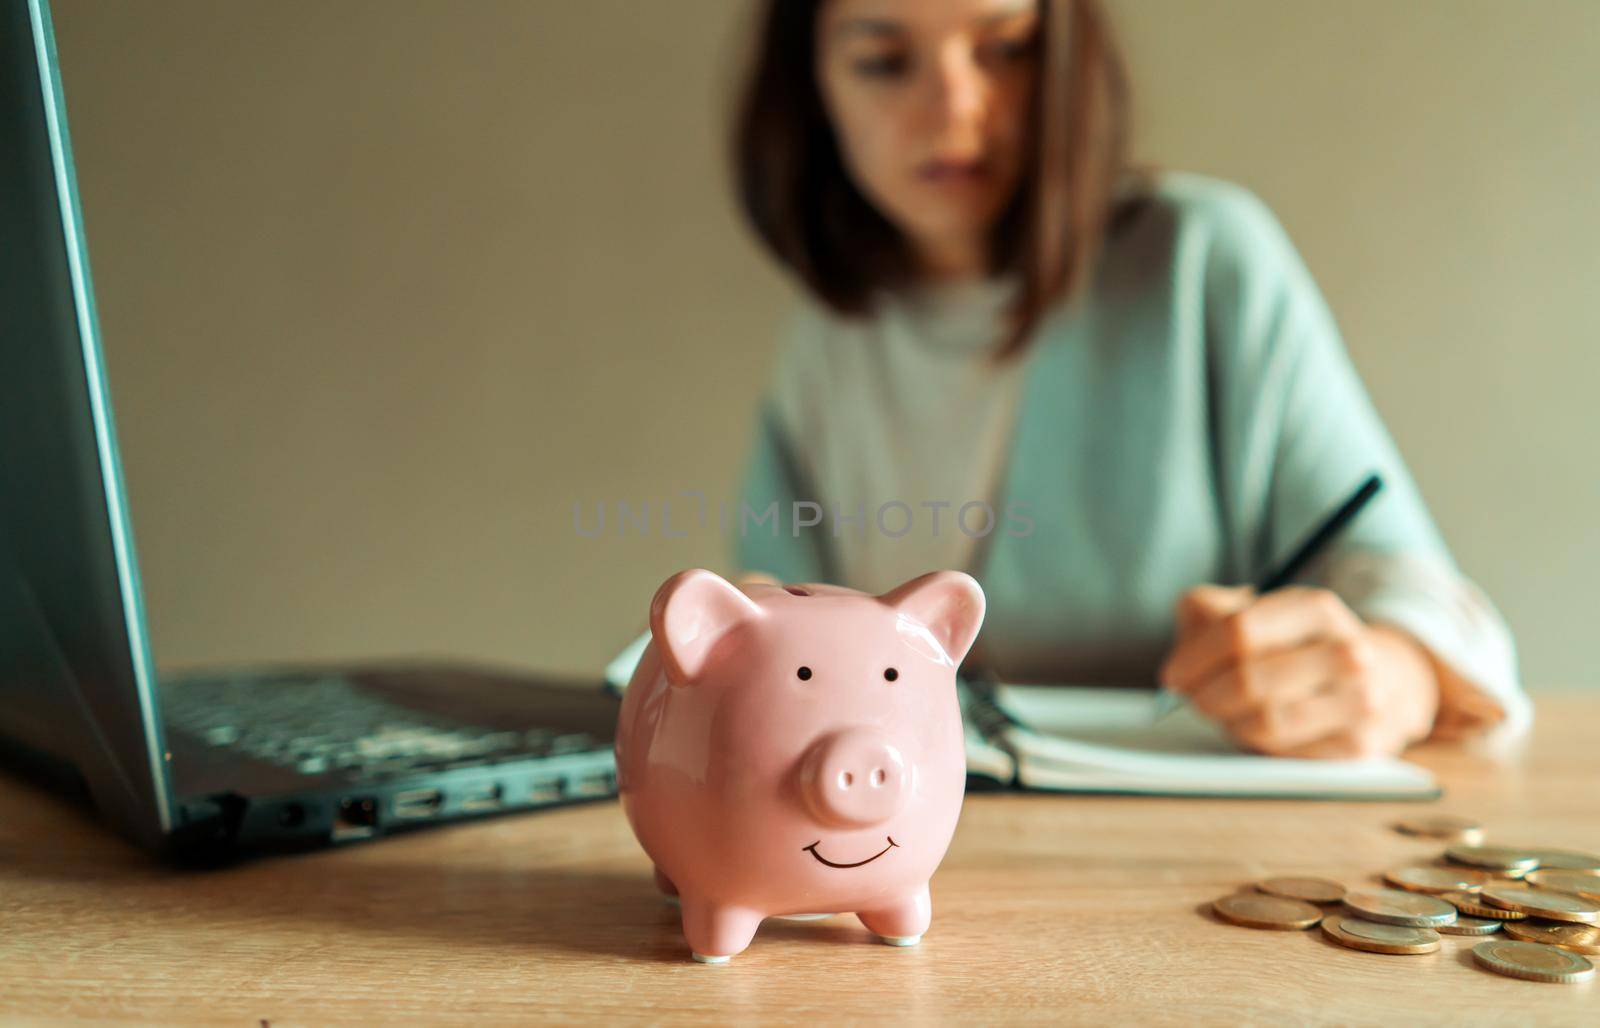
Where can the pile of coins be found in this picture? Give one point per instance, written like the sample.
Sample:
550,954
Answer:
1538,907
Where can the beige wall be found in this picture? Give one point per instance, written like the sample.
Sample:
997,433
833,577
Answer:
387,287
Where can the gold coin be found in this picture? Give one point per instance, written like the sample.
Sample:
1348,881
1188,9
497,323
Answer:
1308,890
1579,938
1436,879
1576,882
1275,913
1443,826
1379,938
1567,860
1392,906
1557,906
1470,926
1531,961
1492,858
1474,906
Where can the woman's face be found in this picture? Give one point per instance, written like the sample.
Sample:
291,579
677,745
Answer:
929,104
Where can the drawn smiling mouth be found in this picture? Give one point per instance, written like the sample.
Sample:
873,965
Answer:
812,849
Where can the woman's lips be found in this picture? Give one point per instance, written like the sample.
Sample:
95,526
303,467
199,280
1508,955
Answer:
946,170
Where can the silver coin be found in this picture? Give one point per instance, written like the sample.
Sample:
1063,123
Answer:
1395,934
1567,860
1392,906
1492,858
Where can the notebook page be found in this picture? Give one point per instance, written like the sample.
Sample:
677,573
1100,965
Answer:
1077,737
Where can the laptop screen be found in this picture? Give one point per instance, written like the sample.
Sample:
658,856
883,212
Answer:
76,681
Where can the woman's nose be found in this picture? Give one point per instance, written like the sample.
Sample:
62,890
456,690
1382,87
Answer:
959,88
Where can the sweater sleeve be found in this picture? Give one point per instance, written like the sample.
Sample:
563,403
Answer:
1295,433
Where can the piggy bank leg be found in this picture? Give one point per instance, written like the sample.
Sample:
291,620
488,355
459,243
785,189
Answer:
903,923
665,885
714,932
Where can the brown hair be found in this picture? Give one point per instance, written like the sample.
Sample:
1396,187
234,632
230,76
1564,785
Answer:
798,196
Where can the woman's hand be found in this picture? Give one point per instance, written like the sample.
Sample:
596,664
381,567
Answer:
1297,673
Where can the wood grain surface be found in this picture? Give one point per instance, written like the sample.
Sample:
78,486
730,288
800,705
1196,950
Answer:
1048,908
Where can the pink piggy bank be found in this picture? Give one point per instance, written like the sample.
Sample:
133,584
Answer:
792,749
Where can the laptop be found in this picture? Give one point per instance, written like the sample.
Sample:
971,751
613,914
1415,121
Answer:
202,764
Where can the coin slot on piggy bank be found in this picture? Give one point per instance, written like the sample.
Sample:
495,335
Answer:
788,749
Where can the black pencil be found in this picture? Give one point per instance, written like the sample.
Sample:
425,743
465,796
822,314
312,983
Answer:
1314,543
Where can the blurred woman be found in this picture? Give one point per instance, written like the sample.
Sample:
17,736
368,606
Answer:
1110,396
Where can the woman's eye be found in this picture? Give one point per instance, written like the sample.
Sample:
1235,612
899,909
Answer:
1020,48
881,65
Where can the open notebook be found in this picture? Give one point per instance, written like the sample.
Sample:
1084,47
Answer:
1085,739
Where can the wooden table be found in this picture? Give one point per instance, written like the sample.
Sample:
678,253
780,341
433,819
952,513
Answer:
1047,908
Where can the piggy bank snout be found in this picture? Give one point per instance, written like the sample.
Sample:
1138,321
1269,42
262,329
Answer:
855,777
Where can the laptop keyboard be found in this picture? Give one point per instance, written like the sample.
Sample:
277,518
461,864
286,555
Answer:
327,725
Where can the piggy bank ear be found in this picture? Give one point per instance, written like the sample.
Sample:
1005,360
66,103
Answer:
692,611
949,604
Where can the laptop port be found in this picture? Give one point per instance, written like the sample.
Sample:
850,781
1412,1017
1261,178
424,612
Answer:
356,818
418,804
549,791
482,798
594,785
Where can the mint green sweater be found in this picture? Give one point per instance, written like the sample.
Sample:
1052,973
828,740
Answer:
1187,420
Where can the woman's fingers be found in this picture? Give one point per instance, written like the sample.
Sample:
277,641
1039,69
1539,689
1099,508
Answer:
1206,604
1349,744
1345,718
1285,727
1292,673
1272,680
1335,746
1291,698
1280,620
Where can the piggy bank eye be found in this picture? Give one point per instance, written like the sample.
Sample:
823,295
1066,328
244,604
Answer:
804,674
890,674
